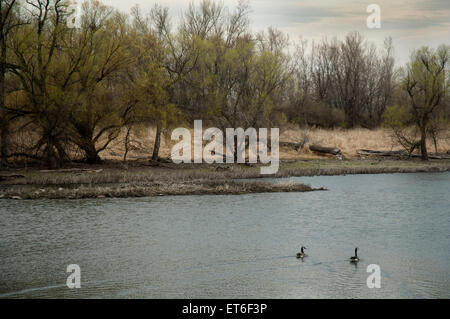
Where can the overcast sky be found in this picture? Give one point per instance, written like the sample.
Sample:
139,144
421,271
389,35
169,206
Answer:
410,23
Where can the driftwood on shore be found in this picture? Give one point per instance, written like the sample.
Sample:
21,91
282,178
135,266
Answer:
399,154
321,150
381,153
224,168
10,177
71,170
295,146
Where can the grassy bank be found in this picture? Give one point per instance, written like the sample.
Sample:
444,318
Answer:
137,179
219,187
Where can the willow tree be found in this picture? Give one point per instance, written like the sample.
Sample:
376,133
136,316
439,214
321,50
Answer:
427,84
37,50
10,21
163,58
149,77
93,67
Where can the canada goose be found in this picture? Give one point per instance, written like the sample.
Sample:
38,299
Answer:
301,254
355,258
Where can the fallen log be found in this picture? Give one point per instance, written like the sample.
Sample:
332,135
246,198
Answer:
295,146
325,150
10,177
432,156
381,153
224,168
401,154
71,170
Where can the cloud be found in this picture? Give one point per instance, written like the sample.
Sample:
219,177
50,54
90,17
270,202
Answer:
286,13
415,22
434,5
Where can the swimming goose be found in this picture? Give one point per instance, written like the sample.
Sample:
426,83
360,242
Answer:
301,254
355,258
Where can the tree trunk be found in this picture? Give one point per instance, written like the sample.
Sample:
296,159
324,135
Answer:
127,143
350,116
155,155
85,141
435,142
50,155
62,155
4,145
3,120
91,154
423,143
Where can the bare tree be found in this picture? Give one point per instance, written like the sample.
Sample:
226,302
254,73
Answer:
353,76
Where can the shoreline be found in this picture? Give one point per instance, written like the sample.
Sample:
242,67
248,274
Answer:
135,191
139,179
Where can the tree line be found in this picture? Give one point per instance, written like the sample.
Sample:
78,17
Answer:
76,88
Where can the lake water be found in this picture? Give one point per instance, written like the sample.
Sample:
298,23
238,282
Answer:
236,246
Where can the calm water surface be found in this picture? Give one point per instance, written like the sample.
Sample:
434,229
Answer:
236,246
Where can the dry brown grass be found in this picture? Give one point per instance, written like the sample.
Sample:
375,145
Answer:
349,141
142,174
